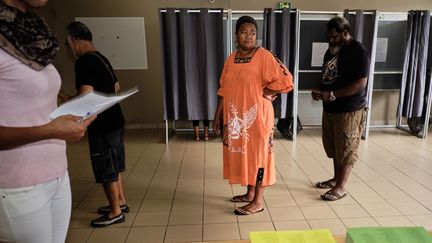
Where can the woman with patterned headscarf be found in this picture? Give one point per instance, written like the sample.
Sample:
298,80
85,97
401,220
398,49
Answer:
35,196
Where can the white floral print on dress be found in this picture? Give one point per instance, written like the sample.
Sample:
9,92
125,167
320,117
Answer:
238,127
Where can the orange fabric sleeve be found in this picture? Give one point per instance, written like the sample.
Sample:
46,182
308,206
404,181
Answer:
275,75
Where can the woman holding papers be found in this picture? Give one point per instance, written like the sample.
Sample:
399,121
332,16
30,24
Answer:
93,72
35,196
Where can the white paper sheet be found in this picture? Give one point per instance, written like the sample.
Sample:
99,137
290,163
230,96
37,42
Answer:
318,51
90,104
381,50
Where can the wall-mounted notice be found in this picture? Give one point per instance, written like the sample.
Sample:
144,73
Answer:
120,39
381,50
318,51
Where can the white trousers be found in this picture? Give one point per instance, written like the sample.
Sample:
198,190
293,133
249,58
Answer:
36,214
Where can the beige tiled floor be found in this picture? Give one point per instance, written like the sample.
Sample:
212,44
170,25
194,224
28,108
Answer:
177,194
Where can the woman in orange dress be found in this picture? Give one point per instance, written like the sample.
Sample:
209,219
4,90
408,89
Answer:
251,78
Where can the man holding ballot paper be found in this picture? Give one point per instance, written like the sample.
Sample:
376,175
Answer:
93,72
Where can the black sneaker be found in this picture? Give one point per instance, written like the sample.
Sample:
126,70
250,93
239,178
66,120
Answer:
106,221
106,209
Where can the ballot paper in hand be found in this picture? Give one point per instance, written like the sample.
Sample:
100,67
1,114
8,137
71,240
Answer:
90,104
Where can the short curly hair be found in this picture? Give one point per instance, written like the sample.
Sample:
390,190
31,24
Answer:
245,19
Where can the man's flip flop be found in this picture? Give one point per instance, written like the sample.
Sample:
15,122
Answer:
333,196
240,198
325,184
243,211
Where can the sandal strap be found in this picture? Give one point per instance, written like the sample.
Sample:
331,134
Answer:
332,195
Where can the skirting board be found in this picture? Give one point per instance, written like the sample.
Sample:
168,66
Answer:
146,126
162,125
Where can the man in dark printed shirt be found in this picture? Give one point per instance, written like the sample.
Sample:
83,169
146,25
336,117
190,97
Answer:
343,93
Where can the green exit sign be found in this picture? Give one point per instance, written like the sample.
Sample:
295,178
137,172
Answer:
284,5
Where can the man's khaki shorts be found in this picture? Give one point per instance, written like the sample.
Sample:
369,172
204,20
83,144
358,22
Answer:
341,134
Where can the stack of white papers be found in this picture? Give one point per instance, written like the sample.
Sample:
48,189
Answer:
90,104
